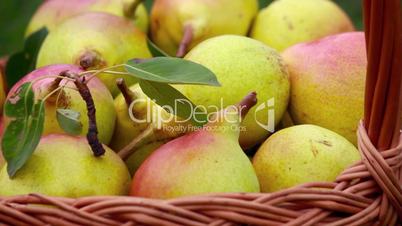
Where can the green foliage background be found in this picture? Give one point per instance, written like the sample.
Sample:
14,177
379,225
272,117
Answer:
15,15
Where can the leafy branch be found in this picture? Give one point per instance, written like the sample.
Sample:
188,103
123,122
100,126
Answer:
27,114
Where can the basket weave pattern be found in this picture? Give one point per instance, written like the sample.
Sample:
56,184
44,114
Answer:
356,198
367,193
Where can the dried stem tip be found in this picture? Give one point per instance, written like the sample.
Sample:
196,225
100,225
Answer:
92,134
128,95
247,103
186,41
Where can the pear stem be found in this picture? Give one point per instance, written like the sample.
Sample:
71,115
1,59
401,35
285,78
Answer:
139,140
128,95
56,82
53,86
92,134
186,40
89,59
247,103
130,8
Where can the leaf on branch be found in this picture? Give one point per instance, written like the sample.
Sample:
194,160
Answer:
24,131
21,63
155,50
170,98
171,70
69,121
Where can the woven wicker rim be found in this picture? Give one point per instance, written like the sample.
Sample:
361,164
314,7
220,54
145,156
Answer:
367,193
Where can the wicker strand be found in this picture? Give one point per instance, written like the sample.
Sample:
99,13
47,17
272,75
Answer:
351,200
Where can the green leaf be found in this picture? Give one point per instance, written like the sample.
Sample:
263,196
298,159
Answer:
23,133
167,96
14,18
171,70
155,50
23,62
69,121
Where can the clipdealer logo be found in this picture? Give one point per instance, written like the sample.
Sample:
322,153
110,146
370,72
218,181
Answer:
156,114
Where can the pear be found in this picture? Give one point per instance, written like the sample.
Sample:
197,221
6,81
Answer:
94,41
144,113
70,99
64,165
52,13
179,25
287,22
301,154
204,161
328,82
242,64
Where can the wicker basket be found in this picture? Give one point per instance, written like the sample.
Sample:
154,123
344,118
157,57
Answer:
368,193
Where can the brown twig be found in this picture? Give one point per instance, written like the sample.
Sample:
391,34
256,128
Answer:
247,103
128,95
186,40
92,134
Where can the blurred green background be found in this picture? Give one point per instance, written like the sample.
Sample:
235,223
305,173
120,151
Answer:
15,15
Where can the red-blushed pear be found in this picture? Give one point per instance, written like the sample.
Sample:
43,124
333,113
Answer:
69,98
301,154
95,41
63,165
179,25
208,160
327,80
287,22
51,13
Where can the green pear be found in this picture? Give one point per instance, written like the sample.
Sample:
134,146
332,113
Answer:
95,41
69,99
144,113
208,160
52,13
63,165
179,25
242,64
328,82
301,154
287,22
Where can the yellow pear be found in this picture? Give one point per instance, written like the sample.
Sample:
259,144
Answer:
287,22
52,13
179,25
241,65
64,165
301,154
94,41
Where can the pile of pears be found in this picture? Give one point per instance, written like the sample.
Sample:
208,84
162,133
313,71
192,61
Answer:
292,79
